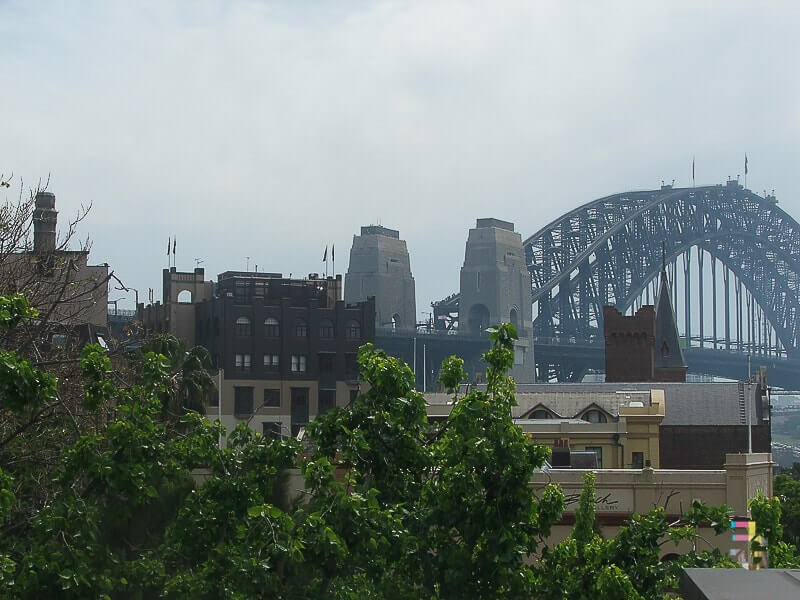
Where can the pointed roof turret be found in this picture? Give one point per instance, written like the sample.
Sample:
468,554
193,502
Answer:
667,352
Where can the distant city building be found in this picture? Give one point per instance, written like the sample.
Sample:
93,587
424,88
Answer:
286,348
59,282
181,291
380,268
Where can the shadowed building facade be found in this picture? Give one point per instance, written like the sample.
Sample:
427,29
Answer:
286,349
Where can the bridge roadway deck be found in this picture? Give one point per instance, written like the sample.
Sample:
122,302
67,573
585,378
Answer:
781,372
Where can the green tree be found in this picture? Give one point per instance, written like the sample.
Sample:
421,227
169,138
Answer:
786,487
383,504
190,383
766,512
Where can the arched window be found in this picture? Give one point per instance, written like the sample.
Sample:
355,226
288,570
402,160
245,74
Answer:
326,330
541,414
185,297
300,328
242,327
272,327
353,331
514,316
594,416
395,321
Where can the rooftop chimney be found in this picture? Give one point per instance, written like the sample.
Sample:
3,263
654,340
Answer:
45,217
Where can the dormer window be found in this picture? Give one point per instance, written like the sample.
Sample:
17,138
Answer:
594,416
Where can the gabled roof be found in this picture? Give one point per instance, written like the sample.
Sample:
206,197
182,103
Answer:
529,412
667,352
685,403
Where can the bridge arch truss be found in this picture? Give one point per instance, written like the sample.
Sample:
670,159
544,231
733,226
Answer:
609,251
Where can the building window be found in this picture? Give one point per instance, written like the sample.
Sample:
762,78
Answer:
271,362
299,409
272,328
300,328
594,416
242,401
271,429
541,414
240,291
243,363
259,289
598,450
637,460
272,398
327,400
353,331
351,365
298,363
327,362
353,395
242,327
326,330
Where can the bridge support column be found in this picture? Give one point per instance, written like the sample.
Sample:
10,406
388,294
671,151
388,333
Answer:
726,281
700,258
687,297
737,287
749,311
714,300
674,269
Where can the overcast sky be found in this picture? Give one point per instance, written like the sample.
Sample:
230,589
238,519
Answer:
273,129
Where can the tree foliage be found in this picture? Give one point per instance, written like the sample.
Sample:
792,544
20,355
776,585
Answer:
381,504
787,489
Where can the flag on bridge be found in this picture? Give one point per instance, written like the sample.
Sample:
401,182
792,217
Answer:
745,163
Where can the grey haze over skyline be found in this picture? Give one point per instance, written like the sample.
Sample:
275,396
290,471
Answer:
273,129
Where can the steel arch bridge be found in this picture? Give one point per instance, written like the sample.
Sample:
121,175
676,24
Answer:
609,251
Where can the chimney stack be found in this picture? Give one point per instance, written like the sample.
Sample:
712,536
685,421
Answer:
45,217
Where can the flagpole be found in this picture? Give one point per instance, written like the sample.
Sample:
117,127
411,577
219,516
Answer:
333,259
745,170
692,170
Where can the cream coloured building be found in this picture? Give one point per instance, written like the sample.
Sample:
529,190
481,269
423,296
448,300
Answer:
620,427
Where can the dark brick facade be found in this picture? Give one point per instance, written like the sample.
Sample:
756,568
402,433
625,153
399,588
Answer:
629,344
705,446
311,323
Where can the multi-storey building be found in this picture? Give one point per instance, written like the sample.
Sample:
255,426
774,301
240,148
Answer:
286,349
70,294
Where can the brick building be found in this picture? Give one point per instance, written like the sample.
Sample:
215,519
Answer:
59,282
645,346
285,349
703,421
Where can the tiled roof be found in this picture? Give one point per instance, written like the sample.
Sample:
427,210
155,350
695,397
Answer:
685,403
